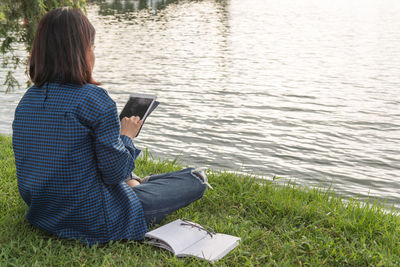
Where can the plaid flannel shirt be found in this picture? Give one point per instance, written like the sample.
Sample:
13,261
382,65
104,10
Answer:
72,162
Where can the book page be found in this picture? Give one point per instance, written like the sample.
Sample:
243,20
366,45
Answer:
158,243
212,248
177,236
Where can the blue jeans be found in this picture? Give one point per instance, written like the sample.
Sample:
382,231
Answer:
165,193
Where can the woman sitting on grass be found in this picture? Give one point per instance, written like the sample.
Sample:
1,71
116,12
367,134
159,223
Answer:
74,158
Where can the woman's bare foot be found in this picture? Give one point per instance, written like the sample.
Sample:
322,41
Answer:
132,183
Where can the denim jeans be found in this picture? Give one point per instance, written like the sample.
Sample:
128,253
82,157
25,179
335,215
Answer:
165,193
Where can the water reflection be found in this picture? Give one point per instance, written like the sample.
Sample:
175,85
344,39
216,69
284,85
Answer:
113,7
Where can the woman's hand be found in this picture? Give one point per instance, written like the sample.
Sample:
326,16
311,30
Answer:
130,126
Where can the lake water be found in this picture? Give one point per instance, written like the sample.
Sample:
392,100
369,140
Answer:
306,90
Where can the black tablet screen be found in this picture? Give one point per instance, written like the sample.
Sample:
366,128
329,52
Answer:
136,106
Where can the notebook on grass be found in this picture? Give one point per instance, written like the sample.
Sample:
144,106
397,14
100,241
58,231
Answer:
188,239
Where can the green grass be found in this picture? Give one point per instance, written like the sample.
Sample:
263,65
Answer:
279,226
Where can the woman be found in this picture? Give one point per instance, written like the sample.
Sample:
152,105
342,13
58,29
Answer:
73,155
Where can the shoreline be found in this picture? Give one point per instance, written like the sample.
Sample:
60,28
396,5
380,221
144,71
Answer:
279,225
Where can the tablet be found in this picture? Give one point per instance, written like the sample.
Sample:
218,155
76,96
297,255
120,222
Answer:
138,105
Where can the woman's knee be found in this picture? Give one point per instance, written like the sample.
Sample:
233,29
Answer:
201,176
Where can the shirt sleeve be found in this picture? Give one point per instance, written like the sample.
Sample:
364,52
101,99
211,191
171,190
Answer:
130,146
115,154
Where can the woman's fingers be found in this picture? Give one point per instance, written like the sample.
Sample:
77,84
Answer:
135,119
130,126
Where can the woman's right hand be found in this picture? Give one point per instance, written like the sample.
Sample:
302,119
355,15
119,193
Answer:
130,126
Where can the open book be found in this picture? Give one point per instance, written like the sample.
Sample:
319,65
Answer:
185,238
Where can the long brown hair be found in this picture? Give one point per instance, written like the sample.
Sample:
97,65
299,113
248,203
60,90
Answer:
61,49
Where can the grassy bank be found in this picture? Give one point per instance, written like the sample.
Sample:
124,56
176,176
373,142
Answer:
279,226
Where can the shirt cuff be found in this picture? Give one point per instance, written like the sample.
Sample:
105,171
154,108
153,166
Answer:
128,142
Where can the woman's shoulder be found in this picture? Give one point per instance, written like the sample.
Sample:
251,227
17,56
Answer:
95,91
97,95
94,101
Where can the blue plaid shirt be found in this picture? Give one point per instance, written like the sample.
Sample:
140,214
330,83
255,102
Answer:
72,162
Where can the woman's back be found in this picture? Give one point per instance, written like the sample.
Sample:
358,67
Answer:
70,163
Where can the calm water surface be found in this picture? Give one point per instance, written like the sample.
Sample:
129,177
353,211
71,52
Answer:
307,90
